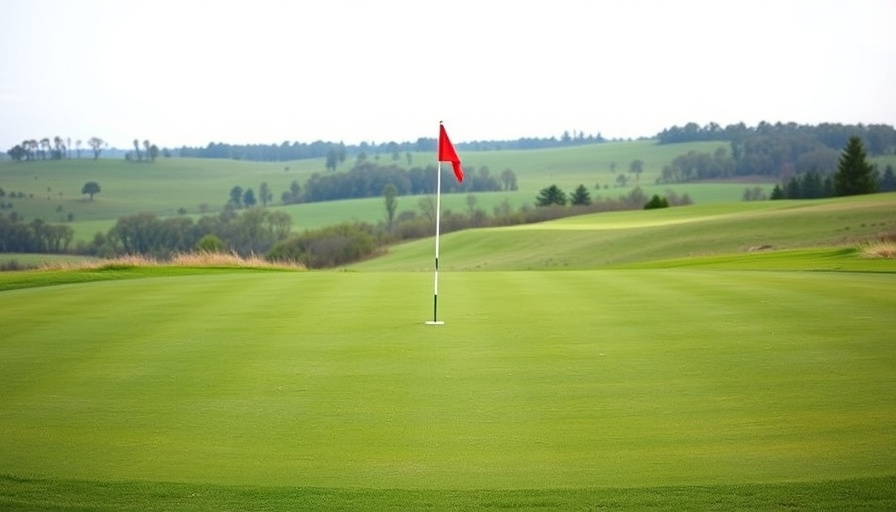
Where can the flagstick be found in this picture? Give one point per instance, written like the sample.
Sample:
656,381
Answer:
435,294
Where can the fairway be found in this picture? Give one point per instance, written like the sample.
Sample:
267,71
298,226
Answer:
599,240
538,380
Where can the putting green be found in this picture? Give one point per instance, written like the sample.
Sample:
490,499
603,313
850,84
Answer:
536,380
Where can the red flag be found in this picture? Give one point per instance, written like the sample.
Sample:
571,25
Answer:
448,154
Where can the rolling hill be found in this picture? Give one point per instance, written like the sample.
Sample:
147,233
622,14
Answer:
51,190
636,237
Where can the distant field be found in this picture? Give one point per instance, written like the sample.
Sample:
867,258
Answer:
53,189
588,165
161,187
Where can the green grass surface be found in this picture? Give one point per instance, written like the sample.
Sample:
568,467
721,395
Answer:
625,238
670,369
538,380
835,496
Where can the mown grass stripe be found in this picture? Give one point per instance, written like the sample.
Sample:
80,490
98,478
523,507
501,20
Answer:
537,379
50,495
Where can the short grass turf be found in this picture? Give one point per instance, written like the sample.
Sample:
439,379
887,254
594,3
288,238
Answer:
653,237
65,495
537,381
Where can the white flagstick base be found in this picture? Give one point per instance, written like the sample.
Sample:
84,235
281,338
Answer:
435,322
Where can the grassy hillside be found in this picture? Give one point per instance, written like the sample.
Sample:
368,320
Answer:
161,187
53,188
620,238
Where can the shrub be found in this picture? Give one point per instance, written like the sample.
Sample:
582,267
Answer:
326,247
210,244
656,202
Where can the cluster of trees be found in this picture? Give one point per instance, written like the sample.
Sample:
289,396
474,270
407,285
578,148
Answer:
552,196
810,185
770,150
149,154
240,198
766,156
657,202
854,175
698,165
13,195
53,149
36,236
783,156
368,179
328,247
254,231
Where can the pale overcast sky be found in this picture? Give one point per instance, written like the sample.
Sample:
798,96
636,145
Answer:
188,72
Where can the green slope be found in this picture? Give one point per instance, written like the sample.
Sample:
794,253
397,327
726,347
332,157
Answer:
52,189
624,238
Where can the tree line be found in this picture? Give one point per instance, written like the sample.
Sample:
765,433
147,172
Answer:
36,236
368,179
759,155
292,150
56,148
251,232
763,156
778,149
853,176
149,154
880,139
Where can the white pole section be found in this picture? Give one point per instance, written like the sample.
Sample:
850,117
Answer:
435,293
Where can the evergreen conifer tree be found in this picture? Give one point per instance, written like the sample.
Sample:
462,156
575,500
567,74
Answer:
854,174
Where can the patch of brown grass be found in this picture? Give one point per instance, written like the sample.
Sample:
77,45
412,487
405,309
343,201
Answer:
883,249
191,259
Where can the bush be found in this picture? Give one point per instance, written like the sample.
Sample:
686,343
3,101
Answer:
210,244
656,202
326,247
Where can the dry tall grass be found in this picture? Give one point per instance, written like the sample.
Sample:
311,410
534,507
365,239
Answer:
192,259
881,249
